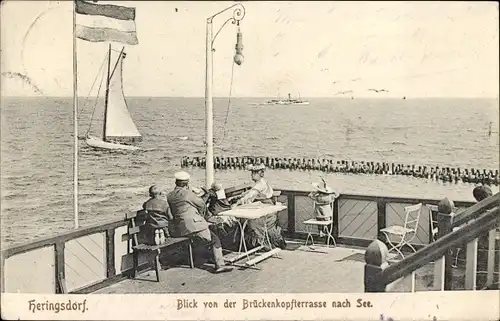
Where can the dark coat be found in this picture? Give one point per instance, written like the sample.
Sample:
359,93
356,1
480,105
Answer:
156,215
215,206
188,210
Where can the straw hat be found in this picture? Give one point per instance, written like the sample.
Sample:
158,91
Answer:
256,168
323,187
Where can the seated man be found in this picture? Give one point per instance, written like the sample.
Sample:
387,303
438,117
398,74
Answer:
188,210
223,226
156,214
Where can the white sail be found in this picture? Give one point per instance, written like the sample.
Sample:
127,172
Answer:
119,123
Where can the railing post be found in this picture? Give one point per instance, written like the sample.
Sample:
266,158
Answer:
471,265
491,257
110,253
59,268
375,262
381,218
291,213
336,218
445,226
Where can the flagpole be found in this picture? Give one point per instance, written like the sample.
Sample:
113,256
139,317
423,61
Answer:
75,122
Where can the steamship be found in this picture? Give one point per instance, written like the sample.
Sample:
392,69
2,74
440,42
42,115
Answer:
288,101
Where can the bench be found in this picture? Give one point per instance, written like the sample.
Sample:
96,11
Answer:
135,227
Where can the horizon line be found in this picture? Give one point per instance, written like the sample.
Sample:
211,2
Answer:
302,97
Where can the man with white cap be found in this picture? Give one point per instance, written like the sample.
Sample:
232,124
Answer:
187,208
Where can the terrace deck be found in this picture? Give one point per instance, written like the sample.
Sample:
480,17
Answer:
340,270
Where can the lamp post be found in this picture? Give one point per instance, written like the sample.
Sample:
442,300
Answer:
238,14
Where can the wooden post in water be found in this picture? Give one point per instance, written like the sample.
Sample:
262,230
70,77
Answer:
375,262
445,226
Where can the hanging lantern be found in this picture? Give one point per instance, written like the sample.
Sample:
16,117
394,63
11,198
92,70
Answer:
238,56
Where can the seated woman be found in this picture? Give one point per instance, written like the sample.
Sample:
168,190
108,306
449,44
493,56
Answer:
255,230
261,191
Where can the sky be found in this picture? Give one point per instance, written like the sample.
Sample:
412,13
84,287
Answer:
315,49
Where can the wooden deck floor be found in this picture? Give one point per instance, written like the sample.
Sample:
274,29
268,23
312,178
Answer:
340,270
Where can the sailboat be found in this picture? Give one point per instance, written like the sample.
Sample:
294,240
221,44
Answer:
118,128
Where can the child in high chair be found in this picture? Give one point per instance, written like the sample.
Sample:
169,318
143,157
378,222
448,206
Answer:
323,196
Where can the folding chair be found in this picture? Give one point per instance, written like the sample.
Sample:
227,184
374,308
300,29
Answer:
434,229
405,233
327,227
433,222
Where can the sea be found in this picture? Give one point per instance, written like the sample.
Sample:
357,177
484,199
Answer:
37,151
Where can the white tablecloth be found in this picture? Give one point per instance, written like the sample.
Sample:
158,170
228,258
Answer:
253,210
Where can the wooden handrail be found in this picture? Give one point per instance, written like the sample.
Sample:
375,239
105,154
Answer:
476,210
375,198
437,249
63,237
230,190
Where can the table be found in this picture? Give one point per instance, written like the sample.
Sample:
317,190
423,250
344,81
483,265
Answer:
249,212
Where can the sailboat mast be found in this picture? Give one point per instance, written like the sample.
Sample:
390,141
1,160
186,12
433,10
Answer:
107,95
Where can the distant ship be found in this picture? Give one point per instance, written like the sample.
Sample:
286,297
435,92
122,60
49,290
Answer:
288,101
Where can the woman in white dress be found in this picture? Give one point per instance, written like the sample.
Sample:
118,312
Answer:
255,230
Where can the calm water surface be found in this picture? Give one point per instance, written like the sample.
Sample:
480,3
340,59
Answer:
37,154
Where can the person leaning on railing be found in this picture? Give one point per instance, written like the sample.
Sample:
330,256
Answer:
482,192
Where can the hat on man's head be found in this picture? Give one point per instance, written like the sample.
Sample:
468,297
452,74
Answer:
323,187
256,168
182,176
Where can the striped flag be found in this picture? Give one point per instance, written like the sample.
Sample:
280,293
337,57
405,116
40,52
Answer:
105,22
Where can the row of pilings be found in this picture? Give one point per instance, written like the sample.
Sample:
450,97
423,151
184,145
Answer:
445,174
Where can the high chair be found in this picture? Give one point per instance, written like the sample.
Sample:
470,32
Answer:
327,228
